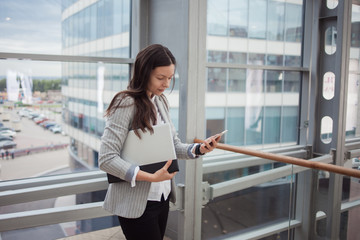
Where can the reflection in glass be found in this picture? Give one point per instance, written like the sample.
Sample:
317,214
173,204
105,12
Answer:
272,122
237,80
326,129
275,60
215,120
330,40
293,22
238,18
352,124
275,22
216,80
217,12
257,19
274,81
235,213
256,58
237,57
292,81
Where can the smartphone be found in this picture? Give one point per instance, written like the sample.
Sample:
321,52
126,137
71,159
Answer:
219,135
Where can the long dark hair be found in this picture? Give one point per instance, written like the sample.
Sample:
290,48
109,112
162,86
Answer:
147,60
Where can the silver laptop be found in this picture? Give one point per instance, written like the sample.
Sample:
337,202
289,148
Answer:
151,148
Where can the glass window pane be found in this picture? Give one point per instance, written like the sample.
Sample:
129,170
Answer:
353,110
238,17
275,22
216,80
274,81
237,80
293,22
257,19
217,17
69,29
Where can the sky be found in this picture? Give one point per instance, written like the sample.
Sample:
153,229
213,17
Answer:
30,26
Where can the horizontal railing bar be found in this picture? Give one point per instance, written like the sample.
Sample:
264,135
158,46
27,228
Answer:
346,206
226,187
52,191
265,231
354,153
242,163
235,156
352,143
290,160
64,58
35,218
46,180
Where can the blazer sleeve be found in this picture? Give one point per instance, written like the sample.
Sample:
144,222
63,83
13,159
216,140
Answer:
115,133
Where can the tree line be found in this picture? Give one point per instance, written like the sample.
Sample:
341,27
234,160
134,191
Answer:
38,85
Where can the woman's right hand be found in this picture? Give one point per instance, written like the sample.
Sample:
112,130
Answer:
160,175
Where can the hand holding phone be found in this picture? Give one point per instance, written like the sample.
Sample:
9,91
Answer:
218,136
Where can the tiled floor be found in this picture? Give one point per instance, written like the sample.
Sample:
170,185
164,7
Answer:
114,233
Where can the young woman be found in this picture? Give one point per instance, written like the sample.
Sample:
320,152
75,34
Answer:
142,201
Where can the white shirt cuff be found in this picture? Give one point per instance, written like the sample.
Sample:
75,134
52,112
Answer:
133,184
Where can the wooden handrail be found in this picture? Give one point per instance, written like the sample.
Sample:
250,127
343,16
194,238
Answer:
290,160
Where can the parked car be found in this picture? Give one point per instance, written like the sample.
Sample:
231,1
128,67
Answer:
5,138
40,120
24,112
8,133
33,115
56,129
7,144
355,162
48,124
6,128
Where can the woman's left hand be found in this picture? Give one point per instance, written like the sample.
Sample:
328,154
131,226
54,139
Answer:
208,144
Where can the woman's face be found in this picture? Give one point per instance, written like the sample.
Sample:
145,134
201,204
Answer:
160,79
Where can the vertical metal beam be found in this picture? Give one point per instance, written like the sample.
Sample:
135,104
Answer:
139,26
340,103
310,200
306,188
181,26
194,92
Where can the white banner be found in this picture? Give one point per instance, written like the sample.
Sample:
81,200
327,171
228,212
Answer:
26,83
12,86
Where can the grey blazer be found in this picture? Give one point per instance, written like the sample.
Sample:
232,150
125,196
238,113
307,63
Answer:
122,199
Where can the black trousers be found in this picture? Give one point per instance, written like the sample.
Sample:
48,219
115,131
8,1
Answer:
151,225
